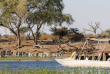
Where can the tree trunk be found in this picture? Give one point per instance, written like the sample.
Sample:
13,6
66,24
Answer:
18,33
37,33
30,28
18,38
36,39
33,35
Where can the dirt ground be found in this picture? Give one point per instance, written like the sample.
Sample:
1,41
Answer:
47,46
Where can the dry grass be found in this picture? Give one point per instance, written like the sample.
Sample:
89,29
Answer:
46,37
45,41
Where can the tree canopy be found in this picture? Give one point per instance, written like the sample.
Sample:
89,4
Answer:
14,13
12,16
60,32
72,34
47,12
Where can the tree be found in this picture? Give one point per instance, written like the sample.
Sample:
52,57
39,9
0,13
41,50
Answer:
34,12
93,29
60,32
107,32
46,12
13,14
74,35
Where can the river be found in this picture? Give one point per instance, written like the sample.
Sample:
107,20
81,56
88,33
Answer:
22,65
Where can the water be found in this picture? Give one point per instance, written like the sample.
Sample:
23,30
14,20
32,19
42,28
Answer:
22,65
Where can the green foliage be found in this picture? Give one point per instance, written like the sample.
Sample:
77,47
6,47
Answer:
48,11
37,12
12,11
60,32
58,71
0,20
24,29
14,7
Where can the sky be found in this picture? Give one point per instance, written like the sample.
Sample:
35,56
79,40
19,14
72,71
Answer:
87,11
83,12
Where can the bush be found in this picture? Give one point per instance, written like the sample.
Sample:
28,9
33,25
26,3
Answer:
77,37
60,32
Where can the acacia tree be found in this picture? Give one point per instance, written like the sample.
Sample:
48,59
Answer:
34,12
46,12
13,13
60,32
72,34
93,28
75,35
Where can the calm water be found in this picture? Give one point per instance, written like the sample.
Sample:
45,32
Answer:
22,65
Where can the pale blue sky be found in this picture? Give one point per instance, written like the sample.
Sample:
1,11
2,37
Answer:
84,12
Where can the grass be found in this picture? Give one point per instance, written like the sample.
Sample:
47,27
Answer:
52,71
24,58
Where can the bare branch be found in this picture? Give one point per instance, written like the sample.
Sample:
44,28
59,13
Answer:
93,28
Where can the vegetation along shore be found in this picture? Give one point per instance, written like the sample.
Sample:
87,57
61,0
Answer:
59,71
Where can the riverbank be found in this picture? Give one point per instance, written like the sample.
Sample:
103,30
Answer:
25,59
